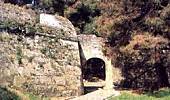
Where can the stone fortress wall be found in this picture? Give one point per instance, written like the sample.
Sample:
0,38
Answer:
40,62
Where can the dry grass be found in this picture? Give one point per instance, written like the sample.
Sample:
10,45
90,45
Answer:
143,41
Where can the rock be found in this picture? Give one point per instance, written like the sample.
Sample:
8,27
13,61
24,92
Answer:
58,22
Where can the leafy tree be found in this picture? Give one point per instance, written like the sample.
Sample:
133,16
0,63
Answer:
55,6
84,15
144,62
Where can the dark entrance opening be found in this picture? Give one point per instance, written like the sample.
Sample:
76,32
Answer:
93,74
94,70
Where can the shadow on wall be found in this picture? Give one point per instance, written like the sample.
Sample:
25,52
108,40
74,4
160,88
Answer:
82,56
5,94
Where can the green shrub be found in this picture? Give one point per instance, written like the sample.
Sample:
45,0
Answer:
90,28
5,94
83,15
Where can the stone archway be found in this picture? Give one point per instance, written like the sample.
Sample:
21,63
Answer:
94,74
94,70
91,54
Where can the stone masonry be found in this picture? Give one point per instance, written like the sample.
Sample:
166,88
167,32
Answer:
45,63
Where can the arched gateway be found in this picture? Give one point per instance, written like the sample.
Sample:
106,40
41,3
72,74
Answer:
96,67
94,70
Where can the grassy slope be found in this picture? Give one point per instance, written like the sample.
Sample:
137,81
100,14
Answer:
12,94
163,94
